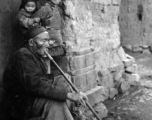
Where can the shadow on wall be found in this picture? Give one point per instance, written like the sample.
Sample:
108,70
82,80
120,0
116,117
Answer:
10,39
10,36
16,35
13,35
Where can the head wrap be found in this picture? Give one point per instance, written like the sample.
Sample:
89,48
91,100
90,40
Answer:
34,31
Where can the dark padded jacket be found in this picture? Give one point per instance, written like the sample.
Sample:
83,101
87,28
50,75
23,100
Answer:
26,82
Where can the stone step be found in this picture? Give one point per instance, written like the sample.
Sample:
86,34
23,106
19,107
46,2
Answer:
97,95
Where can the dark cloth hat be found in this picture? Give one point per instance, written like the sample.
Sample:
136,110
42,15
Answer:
34,31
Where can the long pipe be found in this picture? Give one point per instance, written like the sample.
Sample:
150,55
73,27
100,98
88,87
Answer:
72,85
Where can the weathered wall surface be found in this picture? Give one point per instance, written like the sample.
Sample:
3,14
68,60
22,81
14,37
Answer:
96,61
93,25
9,34
136,25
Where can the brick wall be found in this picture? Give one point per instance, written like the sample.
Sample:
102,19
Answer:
92,25
95,60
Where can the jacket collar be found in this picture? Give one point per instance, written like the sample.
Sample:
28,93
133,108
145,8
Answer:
43,65
36,55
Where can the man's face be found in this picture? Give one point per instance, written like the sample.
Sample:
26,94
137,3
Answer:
56,1
30,7
41,44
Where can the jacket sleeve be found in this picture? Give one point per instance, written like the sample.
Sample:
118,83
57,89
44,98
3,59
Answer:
23,20
34,81
43,13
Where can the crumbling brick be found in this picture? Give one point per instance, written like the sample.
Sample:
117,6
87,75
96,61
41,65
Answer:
116,68
105,78
89,59
79,80
91,79
129,61
132,68
97,94
77,62
112,92
118,75
83,70
124,86
133,79
82,52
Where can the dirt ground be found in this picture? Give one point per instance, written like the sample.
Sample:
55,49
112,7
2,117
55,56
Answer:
136,104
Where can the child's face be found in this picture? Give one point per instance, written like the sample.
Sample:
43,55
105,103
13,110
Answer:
30,7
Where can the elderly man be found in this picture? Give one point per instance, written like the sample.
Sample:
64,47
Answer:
31,94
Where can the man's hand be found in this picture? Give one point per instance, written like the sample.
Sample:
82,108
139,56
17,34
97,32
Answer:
78,97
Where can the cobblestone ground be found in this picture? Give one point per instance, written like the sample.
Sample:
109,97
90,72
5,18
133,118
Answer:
136,104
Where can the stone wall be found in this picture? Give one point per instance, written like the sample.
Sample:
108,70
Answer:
136,25
91,27
96,61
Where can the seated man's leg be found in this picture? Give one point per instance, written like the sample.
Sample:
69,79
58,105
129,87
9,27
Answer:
72,106
59,111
